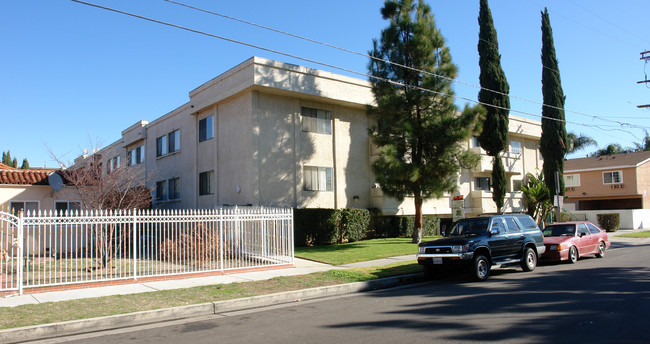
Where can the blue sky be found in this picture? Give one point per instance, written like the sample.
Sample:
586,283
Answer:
72,77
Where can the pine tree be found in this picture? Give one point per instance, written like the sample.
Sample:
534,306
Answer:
6,158
553,142
419,132
14,163
25,165
494,137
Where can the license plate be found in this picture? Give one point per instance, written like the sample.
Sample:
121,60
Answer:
437,260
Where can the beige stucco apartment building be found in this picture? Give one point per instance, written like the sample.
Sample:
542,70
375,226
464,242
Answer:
274,134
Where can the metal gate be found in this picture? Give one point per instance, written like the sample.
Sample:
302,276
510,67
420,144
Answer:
11,254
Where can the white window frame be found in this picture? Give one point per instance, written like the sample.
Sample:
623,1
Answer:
516,150
67,205
318,178
620,177
206,128
38,205
317,121
477,183
572,180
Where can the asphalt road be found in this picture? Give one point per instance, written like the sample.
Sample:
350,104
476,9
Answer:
594,301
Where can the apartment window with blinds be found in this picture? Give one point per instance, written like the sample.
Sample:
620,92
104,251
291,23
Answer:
22,206
515,147
161,146
174,141
205,183
482,183
316,121
318,178
161,190
614,177
206,128
136,156
571,180
174,190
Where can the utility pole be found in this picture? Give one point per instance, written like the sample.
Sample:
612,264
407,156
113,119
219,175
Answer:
645,56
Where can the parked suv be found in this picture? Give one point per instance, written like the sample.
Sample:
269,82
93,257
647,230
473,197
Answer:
481,242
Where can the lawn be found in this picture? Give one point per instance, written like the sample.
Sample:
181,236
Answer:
359,251
644,234
51,312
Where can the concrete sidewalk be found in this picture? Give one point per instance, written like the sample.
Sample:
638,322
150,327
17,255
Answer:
301,267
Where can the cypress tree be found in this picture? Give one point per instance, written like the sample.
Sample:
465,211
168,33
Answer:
14,163
419,133
494,137
4,158
25,165
554,137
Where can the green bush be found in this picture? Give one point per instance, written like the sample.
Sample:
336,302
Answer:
353,224
329,226
609,222
402,226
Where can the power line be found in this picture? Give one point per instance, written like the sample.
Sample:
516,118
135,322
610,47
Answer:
327,64
400,65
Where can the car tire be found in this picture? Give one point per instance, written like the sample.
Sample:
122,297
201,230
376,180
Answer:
480,268
601,250
573,255
529,260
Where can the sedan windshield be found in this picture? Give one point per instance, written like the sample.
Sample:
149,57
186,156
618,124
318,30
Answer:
559,230
470,226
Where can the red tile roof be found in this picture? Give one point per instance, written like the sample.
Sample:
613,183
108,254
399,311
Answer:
15,176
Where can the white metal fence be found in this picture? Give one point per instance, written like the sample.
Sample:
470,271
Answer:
47,249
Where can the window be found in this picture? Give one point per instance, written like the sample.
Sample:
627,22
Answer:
513,227
136,156
161,146
174,188
169,143
593,228
582,230
62,207
174,141
516,185
20,206
482,183
114,163
316,121
205,183
161,190
206,128
571,180
475,142
318,178
515,147
615,177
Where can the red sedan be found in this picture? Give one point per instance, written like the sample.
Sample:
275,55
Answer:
572,240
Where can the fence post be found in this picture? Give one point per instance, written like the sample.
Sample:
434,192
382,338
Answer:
134,246
21,260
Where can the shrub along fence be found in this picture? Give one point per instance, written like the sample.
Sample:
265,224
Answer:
332,226
48,249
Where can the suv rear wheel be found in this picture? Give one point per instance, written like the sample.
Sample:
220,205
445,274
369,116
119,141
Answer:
481,268
529,260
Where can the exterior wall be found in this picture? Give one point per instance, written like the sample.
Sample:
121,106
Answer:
259,151
630,218
614,196
44,195
643,184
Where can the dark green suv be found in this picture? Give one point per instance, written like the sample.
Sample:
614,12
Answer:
481,242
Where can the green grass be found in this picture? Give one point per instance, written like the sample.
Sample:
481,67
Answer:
359,251
51,312
644,234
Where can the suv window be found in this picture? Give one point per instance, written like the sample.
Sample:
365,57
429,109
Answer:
527,222
498,224
513,227
593,229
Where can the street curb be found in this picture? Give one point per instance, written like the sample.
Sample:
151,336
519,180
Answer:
74,327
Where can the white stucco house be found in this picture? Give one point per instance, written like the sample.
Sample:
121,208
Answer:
274,134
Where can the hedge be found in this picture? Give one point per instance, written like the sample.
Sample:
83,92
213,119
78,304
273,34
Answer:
609,222
332,226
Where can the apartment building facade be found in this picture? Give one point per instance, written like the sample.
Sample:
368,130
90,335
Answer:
273,134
